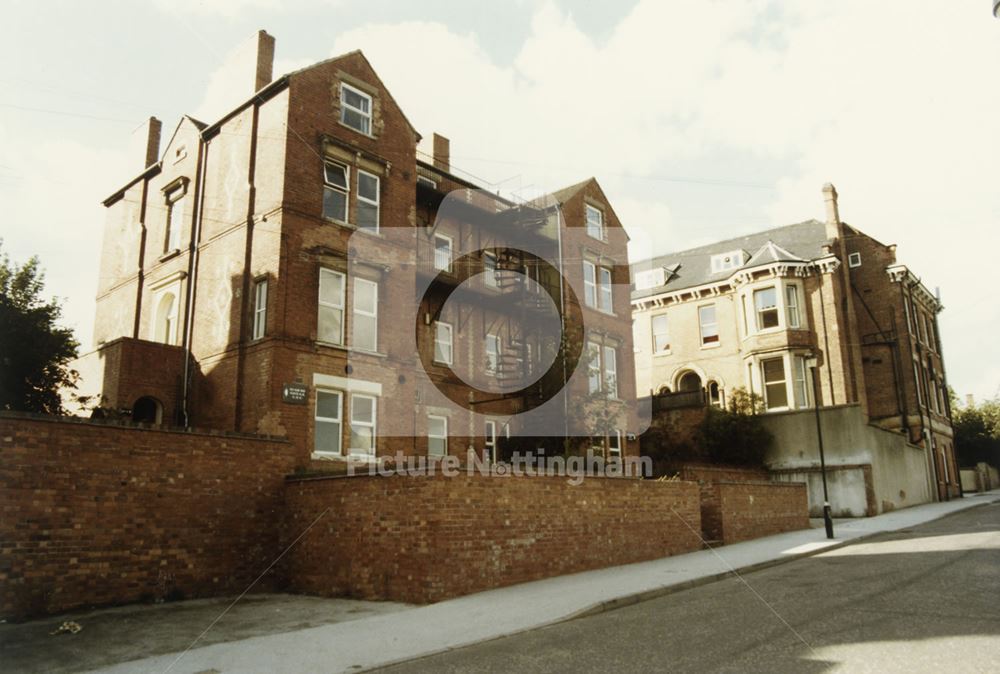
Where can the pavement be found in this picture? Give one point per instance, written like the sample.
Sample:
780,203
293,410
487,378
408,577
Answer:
402,635
922,599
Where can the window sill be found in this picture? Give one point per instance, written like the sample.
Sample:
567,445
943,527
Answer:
169,254
357,131
366,352
713,345
662,354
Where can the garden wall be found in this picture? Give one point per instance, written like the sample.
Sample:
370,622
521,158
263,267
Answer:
426,538
740,511
96,513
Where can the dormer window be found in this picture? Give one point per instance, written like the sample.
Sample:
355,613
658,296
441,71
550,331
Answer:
726,261
650,278
355,109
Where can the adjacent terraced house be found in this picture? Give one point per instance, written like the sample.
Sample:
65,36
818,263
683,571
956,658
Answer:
759,311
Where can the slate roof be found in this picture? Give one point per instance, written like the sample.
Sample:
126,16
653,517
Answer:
800,242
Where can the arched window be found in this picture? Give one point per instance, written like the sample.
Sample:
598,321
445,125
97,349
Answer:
147,410
166,319
689,382
716,397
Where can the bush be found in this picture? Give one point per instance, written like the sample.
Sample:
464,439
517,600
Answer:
736,435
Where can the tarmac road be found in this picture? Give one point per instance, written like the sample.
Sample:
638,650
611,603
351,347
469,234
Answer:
919,600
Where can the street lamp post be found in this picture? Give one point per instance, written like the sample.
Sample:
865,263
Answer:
827,519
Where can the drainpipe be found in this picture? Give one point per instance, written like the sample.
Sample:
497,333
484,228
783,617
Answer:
193,261
142,260
247,262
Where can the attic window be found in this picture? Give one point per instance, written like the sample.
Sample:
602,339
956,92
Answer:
854,260
725,261
180,153
650,278
355,109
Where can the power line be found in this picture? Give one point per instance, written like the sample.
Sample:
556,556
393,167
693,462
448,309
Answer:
69,114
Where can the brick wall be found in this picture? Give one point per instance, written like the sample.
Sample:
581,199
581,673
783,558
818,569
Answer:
741,511
423,539
101,514
693,472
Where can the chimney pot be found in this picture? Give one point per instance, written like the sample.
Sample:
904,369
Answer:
442,153
832,211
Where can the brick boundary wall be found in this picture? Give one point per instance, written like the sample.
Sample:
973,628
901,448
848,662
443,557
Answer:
740,511
426,538
694,472
98,514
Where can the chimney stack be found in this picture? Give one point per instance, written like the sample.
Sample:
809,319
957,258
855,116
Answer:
264,61
832,211
442,153
146,139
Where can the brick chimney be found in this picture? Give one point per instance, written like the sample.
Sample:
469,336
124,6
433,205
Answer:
146,139
264,60
832,211
442,153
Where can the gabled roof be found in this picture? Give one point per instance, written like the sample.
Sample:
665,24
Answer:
567,193
770,253
358,52
800,242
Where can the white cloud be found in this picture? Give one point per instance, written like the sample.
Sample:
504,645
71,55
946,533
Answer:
892,101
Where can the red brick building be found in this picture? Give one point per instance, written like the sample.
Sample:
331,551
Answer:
261,275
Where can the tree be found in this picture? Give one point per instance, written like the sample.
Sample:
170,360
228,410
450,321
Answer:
735,435
977,433
34,350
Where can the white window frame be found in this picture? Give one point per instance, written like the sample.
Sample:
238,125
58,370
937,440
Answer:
345,190
169,334
344,106
764,383
175,219
490,270
609,362
590,285
702,324
595,230
338,420
493,366
605,290
616,449
660,346
432,436
490,440
364,424
356,313
854,260
793,306
450,343
366,201
758,310
333,306
801,382
451,252
430,182
259,308
595,380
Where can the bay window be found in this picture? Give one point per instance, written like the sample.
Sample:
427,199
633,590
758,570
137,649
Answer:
775,384
766,304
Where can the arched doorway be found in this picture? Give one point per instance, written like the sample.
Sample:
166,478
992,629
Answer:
690,381
716,397
147,410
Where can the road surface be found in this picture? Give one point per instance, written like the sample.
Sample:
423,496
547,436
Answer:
920,600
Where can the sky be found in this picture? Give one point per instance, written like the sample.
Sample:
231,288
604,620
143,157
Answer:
701,119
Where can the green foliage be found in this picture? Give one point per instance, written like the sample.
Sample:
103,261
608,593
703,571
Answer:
744,402
977,433
34,351
735,435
